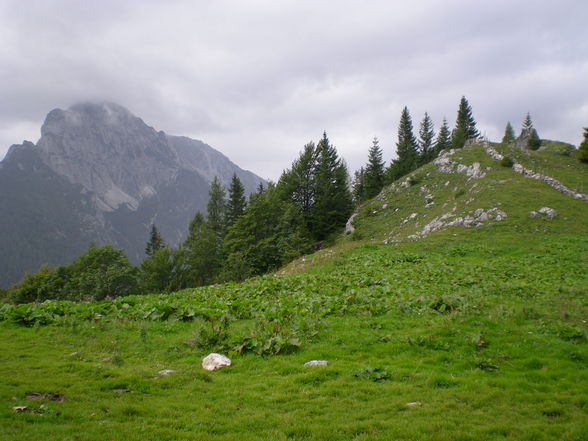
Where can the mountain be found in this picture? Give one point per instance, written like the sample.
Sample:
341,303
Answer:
99,174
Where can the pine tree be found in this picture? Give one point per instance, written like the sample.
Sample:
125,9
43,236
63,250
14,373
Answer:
358,186
583,148
509,135
465,125
200,258
236,202
298,184
529,135
406,149
216,210
155,242
333,203
443,138
373,179
426,135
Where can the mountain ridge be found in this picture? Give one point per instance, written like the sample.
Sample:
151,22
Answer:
120,175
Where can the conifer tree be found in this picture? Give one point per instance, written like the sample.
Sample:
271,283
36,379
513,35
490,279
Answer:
333,203
406,149
509,135
583,148
426,143
236,202
529,135
155,242
298,184
216,210
358,186
200,258
465,125
373,179
443,138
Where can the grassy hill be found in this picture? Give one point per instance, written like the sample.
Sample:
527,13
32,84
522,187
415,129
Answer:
448,314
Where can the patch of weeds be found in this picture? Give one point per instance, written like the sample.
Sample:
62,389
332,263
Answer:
569,333
428,342
506,162
377,375
214,333
486,364
415,179
480,342
534,364
446,304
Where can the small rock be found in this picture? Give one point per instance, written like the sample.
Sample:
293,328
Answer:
316,363
414,404
122,391
166,371
21,409
533,215
213,362
549,212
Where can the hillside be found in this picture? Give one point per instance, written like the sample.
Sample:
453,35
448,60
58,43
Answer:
450,313
99,174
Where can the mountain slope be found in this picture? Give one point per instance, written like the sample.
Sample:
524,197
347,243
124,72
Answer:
105,176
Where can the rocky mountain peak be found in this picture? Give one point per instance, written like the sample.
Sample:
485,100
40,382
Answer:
109,151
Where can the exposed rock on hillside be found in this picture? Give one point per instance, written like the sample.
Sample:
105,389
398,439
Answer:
100,174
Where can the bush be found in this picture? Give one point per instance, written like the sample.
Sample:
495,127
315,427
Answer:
506,162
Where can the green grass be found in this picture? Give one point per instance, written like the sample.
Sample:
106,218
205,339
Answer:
487,333
467,334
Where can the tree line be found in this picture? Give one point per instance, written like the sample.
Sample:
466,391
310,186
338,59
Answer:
240,237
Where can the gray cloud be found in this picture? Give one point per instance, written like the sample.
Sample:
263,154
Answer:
259,79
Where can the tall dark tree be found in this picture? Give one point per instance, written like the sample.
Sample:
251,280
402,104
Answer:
155,242
426,142
216,210
298,184
236,202
509,135
583,148
406,150
465,125
374,172
333,203
443,138
156,272
201,260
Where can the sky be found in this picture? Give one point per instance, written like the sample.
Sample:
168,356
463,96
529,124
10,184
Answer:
258,79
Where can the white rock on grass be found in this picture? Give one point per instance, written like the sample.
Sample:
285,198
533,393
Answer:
214,361
166,371
316,363
549,212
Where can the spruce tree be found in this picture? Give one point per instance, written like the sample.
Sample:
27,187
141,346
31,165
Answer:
529,135
583,148
406,149
426,143
465,125
374,172
155,242
236,202
358,186
509,135
200,257
216,210
443,138
333,203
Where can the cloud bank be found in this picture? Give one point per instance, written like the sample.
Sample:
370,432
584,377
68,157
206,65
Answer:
259,79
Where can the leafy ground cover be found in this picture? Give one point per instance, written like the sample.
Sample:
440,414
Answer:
478,336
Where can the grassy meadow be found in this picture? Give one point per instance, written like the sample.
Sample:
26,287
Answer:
466,334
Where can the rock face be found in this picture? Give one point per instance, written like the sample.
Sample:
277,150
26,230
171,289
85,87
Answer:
214,361
100,174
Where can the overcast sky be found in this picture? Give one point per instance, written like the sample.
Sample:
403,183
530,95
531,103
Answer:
259,79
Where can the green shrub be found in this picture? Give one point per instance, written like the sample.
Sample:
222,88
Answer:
507,162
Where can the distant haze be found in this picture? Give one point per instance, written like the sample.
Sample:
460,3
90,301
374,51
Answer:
259,79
